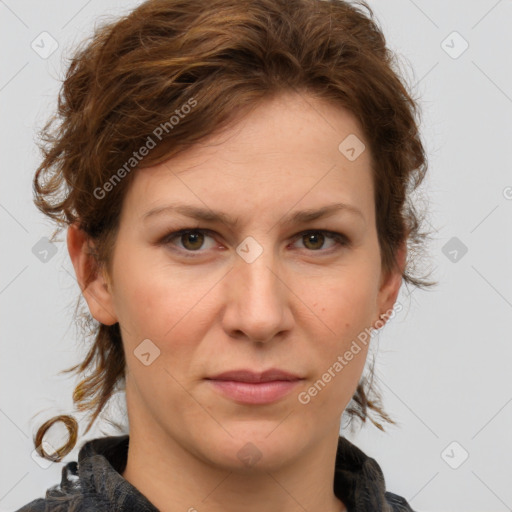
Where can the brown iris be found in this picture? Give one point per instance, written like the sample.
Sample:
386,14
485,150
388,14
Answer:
311,237
196,240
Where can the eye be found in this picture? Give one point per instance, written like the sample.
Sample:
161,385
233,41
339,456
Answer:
315,239
192,240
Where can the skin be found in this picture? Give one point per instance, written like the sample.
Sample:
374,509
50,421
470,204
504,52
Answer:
298,306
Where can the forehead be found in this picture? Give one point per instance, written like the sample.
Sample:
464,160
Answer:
285,152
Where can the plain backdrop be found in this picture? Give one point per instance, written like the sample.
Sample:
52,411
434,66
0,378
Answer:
443,363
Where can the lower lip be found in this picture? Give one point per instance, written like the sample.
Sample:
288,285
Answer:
255,392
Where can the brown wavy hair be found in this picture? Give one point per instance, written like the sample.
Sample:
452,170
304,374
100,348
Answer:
137,71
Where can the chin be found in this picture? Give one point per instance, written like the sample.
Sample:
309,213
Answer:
254,447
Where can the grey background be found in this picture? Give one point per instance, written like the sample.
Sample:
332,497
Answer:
443,363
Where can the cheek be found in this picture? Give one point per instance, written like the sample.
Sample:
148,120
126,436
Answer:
160,302
138,297
150,309
344,311
346,304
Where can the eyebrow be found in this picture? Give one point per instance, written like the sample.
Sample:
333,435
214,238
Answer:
207,215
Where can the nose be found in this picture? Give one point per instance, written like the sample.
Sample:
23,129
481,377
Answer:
258,298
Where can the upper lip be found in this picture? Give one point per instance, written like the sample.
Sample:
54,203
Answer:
244,375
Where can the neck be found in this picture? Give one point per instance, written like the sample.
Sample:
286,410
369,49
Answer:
175,479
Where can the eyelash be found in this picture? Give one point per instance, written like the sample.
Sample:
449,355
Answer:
339,238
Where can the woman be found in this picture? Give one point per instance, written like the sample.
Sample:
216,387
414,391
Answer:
235,179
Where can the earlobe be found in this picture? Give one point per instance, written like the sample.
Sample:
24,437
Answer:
91,279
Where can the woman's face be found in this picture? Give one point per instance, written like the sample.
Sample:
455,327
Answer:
268,291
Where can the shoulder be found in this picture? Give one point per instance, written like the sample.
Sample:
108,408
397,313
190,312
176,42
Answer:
52,505
359,481
55,503
397,503
93,484
63,497
38,505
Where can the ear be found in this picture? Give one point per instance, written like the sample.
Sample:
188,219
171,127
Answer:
390,286
97,292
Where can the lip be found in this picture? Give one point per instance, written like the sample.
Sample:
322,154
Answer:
246,375
247,387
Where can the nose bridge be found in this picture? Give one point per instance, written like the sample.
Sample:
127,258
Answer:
260,297
256,267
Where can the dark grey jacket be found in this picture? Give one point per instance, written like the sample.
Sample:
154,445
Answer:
95,484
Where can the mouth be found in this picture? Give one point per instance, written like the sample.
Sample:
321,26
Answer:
248,387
